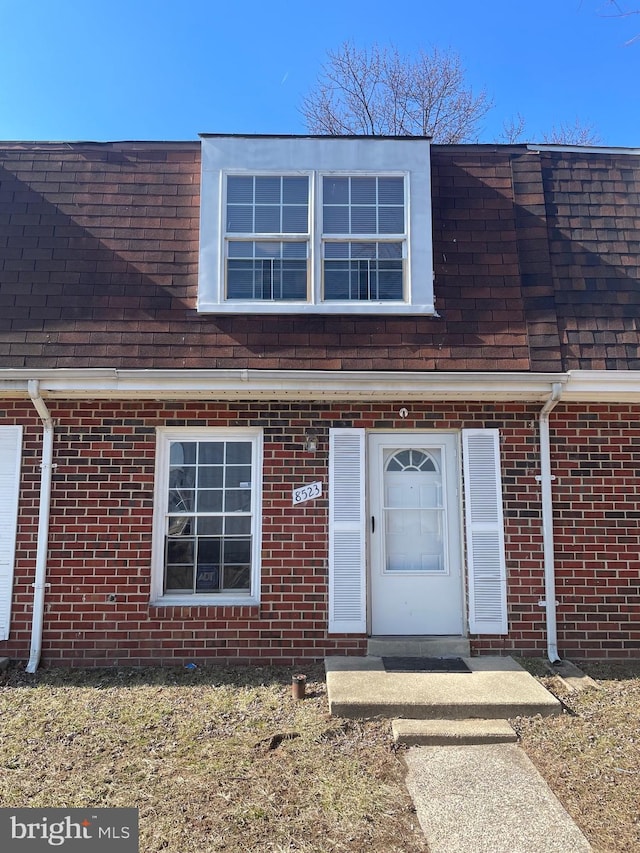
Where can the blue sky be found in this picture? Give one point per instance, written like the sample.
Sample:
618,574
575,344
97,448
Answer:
167,70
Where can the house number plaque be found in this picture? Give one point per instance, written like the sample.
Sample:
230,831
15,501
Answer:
307,493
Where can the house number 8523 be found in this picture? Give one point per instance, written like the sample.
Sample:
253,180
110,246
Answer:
307,493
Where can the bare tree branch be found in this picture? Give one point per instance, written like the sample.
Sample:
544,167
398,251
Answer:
379,92
513,129
572,133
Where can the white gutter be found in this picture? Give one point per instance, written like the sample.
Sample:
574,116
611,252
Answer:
582,149
545,479
245,384
579,386
46,468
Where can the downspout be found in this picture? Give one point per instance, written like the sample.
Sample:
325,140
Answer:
46,468
545,479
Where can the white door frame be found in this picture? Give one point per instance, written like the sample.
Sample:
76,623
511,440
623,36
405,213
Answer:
411,603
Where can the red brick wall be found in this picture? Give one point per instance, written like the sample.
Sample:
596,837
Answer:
97,607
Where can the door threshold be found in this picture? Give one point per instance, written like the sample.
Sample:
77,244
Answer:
418,646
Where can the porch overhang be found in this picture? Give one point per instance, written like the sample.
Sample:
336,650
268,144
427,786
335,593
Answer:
320,385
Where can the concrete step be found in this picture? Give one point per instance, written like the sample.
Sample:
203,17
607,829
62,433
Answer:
451,732
418,647
496,688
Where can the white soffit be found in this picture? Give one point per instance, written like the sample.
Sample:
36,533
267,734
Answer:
317,385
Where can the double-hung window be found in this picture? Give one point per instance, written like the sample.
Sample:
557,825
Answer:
267,237
206,526
315,225
363,237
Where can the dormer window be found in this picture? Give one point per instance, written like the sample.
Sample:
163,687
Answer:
363,238
267,237
315,225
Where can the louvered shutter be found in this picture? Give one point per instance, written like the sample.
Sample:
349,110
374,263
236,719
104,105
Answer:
485,532
10,453
347,579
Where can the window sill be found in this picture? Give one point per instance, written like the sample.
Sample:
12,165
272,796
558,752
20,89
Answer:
375,308
205,601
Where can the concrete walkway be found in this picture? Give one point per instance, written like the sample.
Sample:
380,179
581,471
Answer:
487,799
475,794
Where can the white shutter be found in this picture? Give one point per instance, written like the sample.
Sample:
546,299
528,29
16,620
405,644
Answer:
485,532
347,566
10,453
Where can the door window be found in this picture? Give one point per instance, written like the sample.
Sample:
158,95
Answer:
413,511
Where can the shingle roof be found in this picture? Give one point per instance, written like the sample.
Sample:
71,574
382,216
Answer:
536,262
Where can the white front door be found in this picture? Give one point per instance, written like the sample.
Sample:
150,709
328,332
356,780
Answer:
415,547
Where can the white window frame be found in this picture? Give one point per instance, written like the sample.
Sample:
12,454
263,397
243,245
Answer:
165,435
317,157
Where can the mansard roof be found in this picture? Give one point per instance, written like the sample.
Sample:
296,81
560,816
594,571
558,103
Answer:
536,255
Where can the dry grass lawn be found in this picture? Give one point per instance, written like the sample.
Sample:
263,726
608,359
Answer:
590,755
201,754
226,760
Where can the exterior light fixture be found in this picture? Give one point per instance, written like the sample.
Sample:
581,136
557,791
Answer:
311,441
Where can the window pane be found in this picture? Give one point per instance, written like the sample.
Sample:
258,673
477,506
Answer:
268,190
239,189
237,551
238,453
210,500
208,567
267,220
237,500
237,525
180,525
336,250
295,190
335,220
363,190
389,250
237,577
210,452
211,526
207,578
238,476
268,249
391,191
239,219
179,579
240,249
295,219
293,280
363,250
210,477
390,283
294,250
180,552
391,220
336,280
182,453
180,500
335,190
240,280
363,220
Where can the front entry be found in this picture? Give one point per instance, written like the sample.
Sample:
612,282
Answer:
415,534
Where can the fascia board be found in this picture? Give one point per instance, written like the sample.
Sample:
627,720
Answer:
307,385
602,386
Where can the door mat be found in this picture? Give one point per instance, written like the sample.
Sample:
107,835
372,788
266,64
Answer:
425,665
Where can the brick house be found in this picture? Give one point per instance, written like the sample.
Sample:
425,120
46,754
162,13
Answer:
266,397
